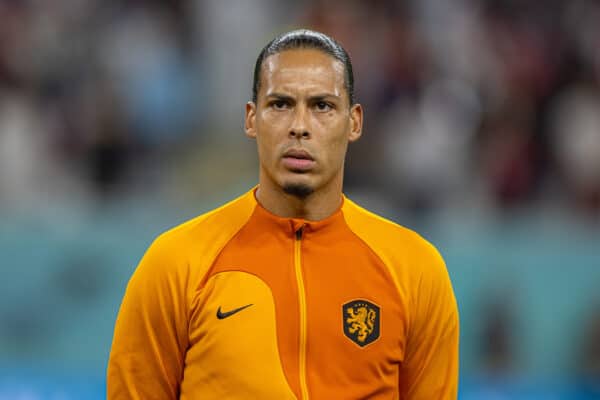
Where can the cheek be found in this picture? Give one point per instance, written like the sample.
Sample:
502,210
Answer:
335,151
268,146
264,147
271,131
337,140
275,120
336,123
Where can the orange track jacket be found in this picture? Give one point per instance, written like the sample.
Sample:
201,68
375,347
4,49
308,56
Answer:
242,304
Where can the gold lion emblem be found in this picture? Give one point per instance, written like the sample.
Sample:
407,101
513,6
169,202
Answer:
361,320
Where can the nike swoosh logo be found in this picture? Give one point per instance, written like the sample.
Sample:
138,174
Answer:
222,315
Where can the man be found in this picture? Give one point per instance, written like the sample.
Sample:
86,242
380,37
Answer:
291,291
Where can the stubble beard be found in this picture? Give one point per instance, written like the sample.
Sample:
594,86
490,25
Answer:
299,190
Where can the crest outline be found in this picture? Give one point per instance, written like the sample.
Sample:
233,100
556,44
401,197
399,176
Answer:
361,321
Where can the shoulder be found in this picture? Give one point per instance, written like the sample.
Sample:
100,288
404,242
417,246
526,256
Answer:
189,249
215,226
385,236
415,265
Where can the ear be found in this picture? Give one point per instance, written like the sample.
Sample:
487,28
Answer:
356,122
250,121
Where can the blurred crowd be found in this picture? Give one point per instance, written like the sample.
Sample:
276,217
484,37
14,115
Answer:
492,103
88,90
469,103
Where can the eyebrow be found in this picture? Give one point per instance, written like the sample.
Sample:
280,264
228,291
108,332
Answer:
280,96
316,97
322,96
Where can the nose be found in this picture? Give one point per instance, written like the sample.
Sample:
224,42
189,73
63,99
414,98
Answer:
299,128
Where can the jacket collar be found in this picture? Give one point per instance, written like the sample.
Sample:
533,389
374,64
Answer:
292,225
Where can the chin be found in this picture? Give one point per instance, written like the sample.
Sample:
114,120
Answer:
298,189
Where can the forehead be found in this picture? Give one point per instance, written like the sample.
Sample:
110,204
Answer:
302,68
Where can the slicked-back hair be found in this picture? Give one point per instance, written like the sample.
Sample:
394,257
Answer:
305,39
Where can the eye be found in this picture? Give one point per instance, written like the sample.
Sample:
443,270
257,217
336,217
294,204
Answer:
323,106
279,104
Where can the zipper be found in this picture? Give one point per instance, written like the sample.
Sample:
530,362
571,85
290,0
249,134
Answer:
302,300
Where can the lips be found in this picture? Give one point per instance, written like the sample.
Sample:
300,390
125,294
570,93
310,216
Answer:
298,160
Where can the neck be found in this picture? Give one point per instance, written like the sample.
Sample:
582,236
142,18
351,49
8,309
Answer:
317,206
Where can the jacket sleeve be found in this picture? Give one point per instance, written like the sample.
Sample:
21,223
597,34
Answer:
150,337
430,367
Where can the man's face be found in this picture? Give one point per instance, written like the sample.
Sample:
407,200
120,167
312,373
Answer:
302,121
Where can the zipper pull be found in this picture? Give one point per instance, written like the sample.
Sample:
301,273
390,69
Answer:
299,233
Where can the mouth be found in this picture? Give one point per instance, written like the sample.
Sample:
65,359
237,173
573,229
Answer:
298,160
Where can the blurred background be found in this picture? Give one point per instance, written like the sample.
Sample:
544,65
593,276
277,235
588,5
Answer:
122,118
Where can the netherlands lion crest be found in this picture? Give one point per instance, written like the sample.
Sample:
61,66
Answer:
361,321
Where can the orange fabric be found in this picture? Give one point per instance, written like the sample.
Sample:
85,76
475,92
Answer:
430,364
319,299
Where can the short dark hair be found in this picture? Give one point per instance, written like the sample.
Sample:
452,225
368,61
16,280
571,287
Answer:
305,39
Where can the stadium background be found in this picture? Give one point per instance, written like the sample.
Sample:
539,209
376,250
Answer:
122,118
